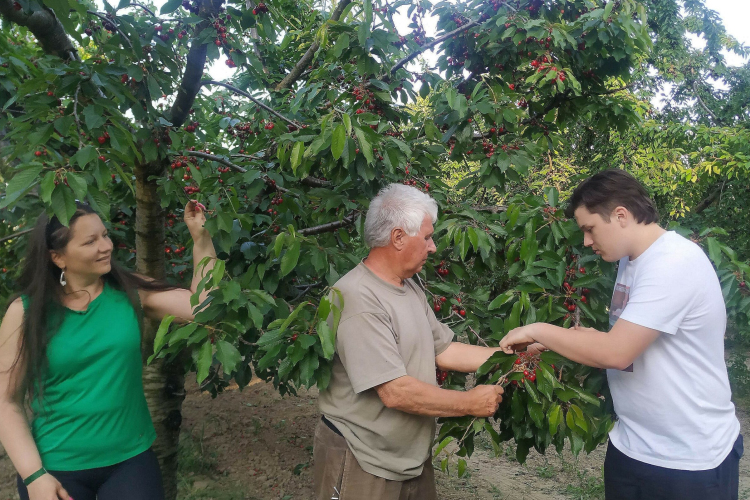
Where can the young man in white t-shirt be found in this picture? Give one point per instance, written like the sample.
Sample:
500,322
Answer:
677,436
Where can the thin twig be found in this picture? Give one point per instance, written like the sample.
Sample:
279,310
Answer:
256,101
75,114
427,46
331,226
219,159
478,337
113,23
15,235
136,4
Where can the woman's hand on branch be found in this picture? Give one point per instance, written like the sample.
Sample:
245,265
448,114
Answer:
518,339
195,219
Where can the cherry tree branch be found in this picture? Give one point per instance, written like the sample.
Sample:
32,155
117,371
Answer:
136,4
15,235
46,28
218,159
196,60
113,23
303,63
331,226
256,101
428,46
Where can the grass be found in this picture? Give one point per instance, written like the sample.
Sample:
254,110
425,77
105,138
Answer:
197,476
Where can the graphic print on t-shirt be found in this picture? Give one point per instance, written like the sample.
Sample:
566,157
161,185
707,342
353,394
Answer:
617,306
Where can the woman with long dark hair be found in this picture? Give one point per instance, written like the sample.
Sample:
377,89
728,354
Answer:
70,348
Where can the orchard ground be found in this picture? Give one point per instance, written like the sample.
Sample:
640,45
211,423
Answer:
255,445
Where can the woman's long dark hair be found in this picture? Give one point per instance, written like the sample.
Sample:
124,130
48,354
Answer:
40,284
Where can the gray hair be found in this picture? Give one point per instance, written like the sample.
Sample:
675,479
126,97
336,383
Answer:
397,205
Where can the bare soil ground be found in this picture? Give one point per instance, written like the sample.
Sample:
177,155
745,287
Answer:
255,445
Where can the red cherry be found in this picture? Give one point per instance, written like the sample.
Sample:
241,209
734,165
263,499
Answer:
582,270
518,361
584,299
462,312
37,153
101,139
294,337
437,307
571,307
512,86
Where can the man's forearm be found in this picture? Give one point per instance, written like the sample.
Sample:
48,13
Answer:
413,396
589,347
464,358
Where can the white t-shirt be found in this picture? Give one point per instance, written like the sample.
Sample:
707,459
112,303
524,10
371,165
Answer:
674,403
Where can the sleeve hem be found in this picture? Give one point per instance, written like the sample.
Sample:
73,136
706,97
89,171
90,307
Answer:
380,379
666,328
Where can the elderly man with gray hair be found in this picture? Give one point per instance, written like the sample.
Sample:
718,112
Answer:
375,437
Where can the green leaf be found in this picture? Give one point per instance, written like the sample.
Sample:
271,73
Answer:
203,362
47,186
77,184
554,415
170,6
297,153
20,183
338,140
218,272
348,123
63,203
85,155
279,244
290,258
500,300
461,467
327,339
552,196
161,335
228,356
364,145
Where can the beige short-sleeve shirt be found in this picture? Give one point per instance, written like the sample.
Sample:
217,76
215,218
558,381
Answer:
386,332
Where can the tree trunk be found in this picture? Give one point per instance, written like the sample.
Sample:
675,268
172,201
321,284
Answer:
163,383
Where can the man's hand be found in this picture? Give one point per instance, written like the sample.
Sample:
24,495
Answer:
485,399
518,339
47,488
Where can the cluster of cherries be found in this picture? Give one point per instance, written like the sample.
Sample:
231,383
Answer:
191,127
442,269
269,126
221,31
526,363
440,376
260,9
277,200
193,7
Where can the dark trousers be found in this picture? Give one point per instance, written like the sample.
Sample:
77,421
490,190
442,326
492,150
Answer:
138,478
629,479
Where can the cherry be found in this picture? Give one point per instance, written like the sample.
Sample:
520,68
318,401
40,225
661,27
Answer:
512,86
584,299
582,270
518,361
294,337
437,307
571,307
462,312
37,153
101,139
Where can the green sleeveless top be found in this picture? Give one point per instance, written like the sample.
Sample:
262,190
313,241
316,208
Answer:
93,412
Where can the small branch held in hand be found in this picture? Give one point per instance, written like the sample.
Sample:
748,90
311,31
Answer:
256,101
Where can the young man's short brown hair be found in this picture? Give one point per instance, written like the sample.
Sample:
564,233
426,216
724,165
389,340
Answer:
607,190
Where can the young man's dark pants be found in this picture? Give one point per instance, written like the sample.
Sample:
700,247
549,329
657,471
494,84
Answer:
629,479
